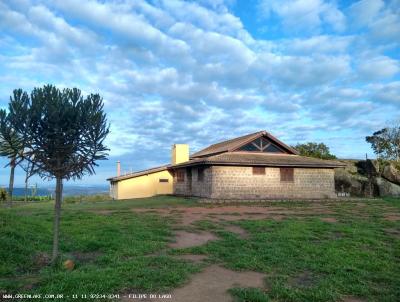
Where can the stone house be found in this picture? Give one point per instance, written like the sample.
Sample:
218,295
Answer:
250,167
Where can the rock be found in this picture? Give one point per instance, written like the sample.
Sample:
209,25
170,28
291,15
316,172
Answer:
371,167
391,174
69,265
386,188
355,184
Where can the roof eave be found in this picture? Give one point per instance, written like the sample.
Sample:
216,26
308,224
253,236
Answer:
221,163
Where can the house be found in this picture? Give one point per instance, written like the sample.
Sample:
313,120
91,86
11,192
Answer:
254,166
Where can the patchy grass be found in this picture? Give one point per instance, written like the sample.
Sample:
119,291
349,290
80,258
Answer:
117,250
118,245
311,260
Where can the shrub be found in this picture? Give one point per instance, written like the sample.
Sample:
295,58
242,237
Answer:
3,194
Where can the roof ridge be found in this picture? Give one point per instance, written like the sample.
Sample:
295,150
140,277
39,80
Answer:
236,138
229,141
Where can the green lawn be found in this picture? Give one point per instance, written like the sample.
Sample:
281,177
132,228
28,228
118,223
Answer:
117,250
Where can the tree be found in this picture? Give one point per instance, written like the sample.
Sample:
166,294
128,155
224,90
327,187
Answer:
64,134
28,168
386,143
318,150
11,144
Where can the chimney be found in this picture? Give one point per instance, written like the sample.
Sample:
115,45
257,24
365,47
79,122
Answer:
118,168
180,153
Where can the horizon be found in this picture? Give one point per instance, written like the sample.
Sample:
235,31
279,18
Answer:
202,72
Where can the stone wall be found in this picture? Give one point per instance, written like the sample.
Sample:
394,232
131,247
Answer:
239,183
191,186
229,182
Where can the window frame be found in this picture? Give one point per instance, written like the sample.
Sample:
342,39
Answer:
180,176
257,170
261,147
286,174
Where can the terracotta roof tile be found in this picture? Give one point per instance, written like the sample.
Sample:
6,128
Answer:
262,159
230,145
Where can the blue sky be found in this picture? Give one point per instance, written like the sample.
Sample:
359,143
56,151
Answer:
198,72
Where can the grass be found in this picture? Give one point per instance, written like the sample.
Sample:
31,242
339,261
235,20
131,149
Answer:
115,250
111,251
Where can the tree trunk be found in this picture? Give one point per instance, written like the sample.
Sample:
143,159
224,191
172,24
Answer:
11,183
57,216
26,186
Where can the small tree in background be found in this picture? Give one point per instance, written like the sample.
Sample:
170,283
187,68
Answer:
28,168
11,143
386,143
317,150
64,134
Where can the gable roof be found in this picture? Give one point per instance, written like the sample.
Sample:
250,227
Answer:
260,159
233,144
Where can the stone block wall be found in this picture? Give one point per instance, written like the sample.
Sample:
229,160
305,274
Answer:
230,182
202,188
191,186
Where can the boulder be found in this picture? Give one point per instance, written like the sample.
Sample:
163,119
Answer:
386,188
355,184
392,174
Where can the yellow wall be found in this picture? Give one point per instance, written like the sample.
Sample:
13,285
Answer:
180,153
144,186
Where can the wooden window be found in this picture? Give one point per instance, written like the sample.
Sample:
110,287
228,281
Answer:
164,180
200,174
261,145
258,170
180,176
287,174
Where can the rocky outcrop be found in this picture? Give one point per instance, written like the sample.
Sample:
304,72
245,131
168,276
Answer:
368,178
391,173
354,183
387,188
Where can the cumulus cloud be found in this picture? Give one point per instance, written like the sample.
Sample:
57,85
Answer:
304,14
376,68
197,73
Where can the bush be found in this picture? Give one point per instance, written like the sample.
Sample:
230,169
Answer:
3,194
32,198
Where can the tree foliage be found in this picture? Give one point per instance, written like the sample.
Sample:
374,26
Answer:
317,150
64,136
11,143
386,143
63,131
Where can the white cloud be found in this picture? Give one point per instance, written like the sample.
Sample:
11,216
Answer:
364,12
377,68
302,15
192,72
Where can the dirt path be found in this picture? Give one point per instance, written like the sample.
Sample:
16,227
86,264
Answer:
187,216
213,283
185,239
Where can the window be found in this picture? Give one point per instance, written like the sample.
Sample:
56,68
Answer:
258,170
164,180
200,174
261,145
180,176
287,174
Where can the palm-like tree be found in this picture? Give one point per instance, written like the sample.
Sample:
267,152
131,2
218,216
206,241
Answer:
11,144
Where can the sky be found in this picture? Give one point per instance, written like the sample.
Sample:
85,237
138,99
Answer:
199,72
